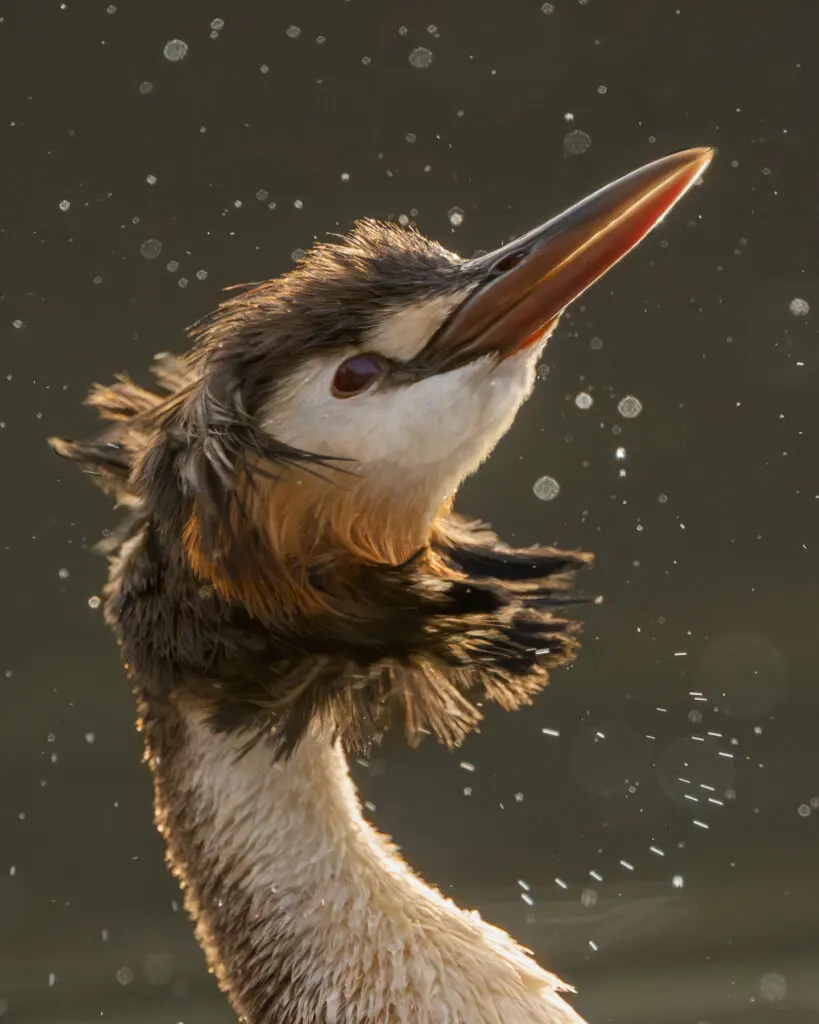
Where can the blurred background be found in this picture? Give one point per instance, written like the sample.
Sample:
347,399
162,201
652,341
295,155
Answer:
649,827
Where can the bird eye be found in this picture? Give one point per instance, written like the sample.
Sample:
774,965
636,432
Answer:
358,373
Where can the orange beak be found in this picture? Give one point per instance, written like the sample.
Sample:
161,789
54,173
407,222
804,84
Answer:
530,281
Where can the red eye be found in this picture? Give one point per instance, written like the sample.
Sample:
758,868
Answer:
357,373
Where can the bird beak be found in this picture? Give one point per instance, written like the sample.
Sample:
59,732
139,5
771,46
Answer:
529,282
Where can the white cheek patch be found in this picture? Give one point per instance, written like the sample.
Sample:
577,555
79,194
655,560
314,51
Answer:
402,332
442,426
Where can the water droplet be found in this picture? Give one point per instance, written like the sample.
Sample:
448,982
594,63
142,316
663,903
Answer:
63,573
125,975
629,407
584,400
146,87
298,203
803,811
201,275
151,248
576,143
588,897
799,307
293,31
217,24
421,57
110,9
175,49
17,323
345,176
596,344
546,488
65,205
456,216
547,8
620,453
172,266
366,61
94,602
678,881
773,987
151,179
602,89
89,738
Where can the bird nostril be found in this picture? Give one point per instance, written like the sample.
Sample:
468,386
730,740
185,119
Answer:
507,263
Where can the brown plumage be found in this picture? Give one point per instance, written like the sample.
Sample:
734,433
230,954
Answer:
290,579
285,606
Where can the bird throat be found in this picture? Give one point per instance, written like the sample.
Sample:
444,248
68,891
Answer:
306,528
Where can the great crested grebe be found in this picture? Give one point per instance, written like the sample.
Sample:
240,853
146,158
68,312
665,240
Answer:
290,578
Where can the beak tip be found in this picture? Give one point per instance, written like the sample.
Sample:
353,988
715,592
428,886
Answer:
700,156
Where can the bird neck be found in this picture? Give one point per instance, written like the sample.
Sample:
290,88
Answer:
306,914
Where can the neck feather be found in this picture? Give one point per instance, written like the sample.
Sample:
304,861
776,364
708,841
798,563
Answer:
306,914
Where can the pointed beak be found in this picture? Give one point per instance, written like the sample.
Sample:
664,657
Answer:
529,282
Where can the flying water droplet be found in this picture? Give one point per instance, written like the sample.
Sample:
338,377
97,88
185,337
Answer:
151,248
629,407
421,57
576,143
546,488
773,987
175,50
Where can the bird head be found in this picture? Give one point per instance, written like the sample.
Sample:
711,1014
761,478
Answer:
321,423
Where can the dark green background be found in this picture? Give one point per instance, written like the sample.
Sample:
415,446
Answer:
696,324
